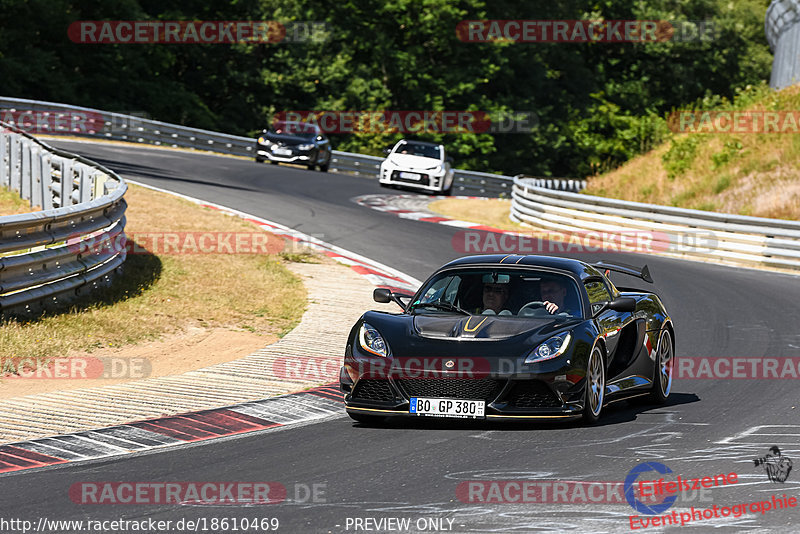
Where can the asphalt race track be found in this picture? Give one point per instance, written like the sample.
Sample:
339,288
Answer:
412,470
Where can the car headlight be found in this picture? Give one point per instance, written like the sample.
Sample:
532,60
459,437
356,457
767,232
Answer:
371,341
436,170
552,348
305,147
263,141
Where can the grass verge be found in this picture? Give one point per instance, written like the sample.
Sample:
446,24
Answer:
488,211
163,293
12,204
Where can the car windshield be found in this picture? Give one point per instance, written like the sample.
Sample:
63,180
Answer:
300,129
506,292
418,149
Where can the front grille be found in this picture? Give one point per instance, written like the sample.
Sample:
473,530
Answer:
533,394
425,180
452,388
373,389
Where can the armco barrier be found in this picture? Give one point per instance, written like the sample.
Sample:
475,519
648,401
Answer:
680,232
120,127
41,258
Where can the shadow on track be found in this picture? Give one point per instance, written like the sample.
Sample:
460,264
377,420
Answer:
614,414
133,171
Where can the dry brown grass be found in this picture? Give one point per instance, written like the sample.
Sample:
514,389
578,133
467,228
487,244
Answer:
11,204
167,294
746,173
488,211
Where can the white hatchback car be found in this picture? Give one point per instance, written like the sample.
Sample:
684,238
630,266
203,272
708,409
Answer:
417,164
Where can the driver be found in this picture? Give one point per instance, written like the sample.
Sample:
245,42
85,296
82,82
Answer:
496,291
553,294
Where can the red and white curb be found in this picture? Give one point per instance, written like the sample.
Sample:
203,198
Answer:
414,207
276,412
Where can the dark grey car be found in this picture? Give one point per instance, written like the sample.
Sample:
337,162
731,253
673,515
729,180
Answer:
294,142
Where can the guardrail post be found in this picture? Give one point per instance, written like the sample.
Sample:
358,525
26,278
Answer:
99,185
13,165
66,182
46,183
25,171
4,174
84,185
36,176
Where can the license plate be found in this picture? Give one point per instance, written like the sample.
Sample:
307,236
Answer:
447,407
282,151
409,175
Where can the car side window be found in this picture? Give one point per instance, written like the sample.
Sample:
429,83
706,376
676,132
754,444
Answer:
444,289
597,293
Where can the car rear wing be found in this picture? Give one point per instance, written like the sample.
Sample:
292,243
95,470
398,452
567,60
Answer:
643,273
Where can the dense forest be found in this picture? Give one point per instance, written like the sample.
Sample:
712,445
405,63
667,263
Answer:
596,104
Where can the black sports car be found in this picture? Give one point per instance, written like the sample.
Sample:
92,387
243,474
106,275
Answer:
294,142
510,337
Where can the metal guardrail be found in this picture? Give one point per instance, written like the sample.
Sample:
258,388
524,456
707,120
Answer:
660,229
573,185
120,127
91,122
42,259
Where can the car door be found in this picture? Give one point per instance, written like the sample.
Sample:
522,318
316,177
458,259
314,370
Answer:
609,322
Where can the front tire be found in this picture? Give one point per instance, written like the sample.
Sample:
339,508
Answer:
595,392
662,374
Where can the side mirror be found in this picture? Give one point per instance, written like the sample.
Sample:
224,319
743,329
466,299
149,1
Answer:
620,304
387,151
623,304
384,296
